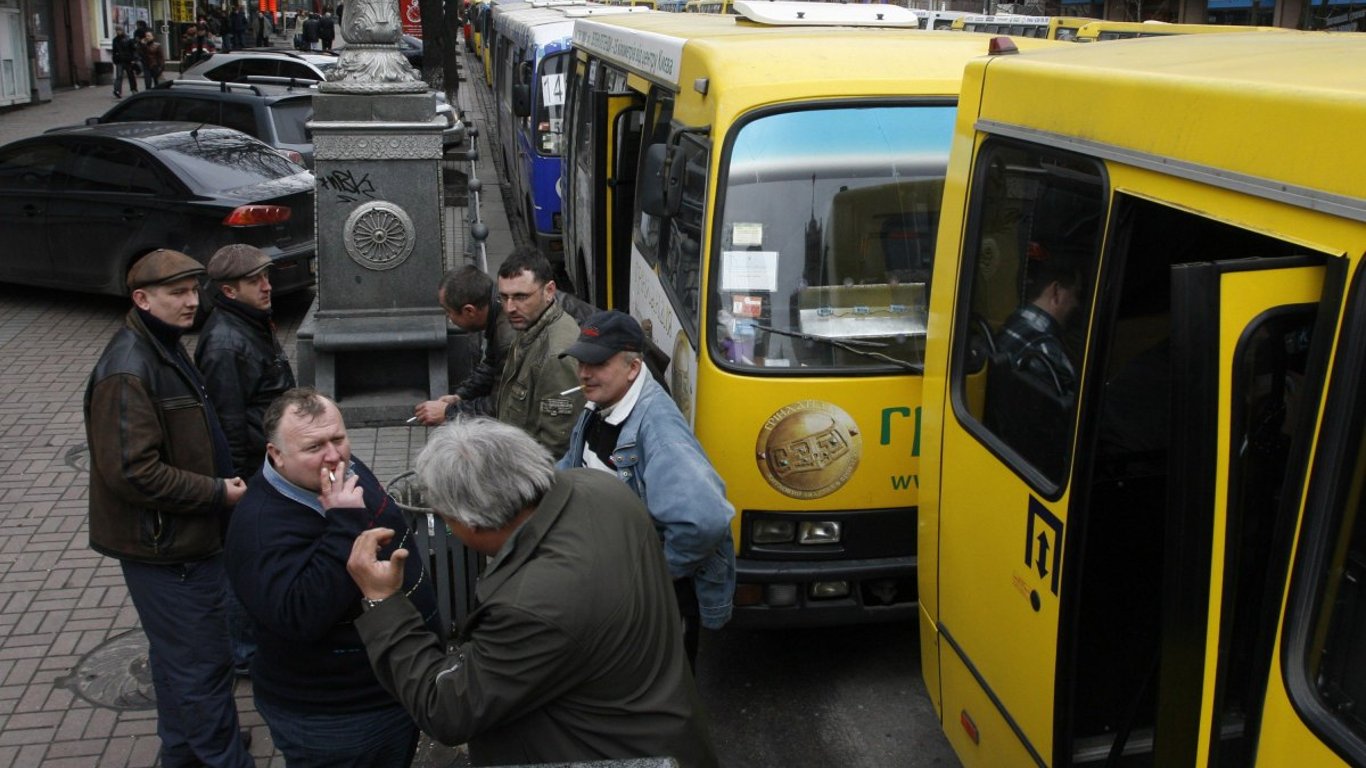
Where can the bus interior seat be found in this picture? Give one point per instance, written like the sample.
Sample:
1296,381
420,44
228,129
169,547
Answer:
1032,416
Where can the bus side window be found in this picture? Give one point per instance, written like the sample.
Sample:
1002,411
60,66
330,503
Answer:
1037,216
681,257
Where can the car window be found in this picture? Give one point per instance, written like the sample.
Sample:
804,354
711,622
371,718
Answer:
148,108
30,168
240,117
224,72
298,70
193,110
266,67
291,117
102,167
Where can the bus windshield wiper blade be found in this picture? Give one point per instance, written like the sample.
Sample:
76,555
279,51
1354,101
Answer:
849,345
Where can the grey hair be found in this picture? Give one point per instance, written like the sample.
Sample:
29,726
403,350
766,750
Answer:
482,473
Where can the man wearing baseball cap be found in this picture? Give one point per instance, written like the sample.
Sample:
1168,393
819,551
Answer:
243,364
161,488
631,428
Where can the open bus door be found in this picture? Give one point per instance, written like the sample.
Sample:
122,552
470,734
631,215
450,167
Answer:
602,165
1252,338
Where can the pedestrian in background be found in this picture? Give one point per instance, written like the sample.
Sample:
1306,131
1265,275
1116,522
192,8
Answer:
310,31
237,28
124,52
153,60
161,491
327,30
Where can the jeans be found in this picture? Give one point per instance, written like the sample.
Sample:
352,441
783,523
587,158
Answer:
181,610
376,738
241,631
120,70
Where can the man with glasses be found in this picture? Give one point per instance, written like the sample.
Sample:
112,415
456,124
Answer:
539,391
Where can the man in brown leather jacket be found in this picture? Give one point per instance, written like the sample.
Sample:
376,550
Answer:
161,489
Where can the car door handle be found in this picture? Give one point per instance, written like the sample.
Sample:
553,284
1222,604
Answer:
133,214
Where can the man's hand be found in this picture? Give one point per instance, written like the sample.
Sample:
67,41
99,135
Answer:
376,578
233,488
343,493
433,412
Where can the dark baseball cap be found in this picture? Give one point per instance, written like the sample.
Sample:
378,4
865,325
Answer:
604,334
162,266
236,261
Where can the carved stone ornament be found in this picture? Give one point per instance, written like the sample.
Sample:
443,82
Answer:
379,235
377,147
371,62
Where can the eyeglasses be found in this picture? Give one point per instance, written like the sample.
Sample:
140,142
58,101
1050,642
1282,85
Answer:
516,298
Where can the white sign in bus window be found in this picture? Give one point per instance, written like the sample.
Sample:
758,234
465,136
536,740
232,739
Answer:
552,89
746,234
749,271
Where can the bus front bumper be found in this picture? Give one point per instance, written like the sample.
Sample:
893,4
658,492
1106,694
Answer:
771,593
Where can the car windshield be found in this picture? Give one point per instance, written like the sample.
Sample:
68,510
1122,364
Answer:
826,239
291,117
213,159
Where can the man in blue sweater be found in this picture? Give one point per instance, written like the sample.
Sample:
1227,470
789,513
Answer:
287,548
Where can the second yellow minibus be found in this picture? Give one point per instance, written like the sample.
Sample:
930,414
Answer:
1143,481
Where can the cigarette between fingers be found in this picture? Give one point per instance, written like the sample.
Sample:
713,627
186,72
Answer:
331,475
571,391
410,421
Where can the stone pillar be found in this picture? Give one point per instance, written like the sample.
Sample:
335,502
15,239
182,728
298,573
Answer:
375,339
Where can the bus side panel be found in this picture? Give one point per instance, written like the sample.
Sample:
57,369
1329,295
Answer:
967,705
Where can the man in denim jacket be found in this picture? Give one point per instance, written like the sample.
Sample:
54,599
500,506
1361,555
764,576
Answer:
632,428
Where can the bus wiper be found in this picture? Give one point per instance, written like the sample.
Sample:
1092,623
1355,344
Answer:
850,345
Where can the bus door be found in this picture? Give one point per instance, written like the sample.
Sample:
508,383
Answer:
1251,337
601,182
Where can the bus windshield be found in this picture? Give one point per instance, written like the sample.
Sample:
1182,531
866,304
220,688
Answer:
826,239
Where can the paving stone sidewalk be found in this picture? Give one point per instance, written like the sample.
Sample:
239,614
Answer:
71,691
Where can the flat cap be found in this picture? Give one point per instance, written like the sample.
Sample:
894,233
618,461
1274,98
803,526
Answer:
604,334
162,266
236,261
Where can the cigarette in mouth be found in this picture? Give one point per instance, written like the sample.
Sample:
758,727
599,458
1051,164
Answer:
331,475
571,391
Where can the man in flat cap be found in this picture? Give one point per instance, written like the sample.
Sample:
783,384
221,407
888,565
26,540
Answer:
631,428
161,488
243,364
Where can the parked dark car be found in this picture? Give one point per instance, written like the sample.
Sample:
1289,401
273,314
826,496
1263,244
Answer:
79,206
411,48
275,114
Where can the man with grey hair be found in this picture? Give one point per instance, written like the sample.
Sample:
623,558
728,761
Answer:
574,651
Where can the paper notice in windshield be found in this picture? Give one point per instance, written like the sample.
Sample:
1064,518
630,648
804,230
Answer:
749,271
743,235
552,89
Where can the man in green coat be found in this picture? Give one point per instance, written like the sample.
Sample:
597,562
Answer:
575,652
538,392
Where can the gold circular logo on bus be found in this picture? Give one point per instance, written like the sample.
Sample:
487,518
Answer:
808,449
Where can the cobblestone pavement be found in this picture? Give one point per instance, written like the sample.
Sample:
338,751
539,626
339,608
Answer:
73,686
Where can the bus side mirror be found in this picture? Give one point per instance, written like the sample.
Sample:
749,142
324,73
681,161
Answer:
657,175
521,100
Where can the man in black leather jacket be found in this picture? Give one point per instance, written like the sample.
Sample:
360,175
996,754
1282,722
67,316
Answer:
161,488
243,364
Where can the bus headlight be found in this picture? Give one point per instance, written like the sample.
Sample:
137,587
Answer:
773,531
826,590
819,532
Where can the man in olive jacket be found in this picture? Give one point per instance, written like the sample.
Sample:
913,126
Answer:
539,392
575,651
161,488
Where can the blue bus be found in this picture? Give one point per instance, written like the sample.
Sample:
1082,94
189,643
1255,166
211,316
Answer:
531,62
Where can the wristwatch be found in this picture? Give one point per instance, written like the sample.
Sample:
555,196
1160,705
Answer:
368,603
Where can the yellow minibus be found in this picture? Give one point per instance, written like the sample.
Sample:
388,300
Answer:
762,193
1143,475
1123,30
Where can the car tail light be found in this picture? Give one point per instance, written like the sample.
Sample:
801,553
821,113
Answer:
258,215
292,156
